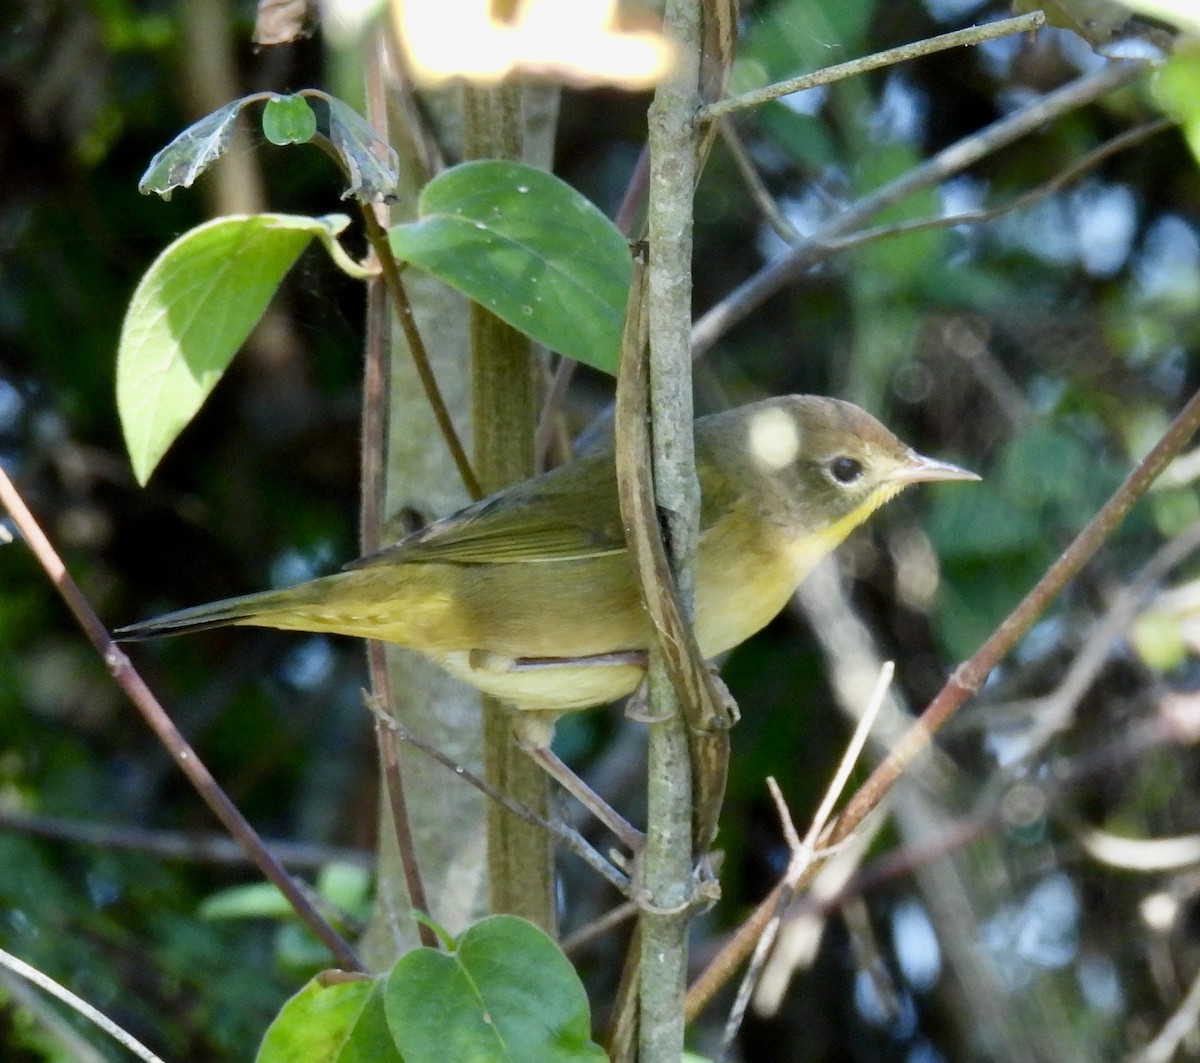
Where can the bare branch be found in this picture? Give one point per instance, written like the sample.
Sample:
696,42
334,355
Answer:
147,704
954,159
943,42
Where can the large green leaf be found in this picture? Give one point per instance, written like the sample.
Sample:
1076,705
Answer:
506,993
529,248
340,1023
191,312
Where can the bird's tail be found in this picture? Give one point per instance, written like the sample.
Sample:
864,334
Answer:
253,609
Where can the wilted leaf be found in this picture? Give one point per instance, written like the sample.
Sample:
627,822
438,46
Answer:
373,165
191,153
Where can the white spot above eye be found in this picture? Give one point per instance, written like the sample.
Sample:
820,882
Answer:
774,438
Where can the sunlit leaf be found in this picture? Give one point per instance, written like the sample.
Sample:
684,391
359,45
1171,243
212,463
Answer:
1177,89
528,247
191,312
339,1023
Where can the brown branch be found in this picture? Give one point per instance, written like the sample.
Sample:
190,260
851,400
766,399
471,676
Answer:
966,680
161,724
1064,177
759,192
568,837
969,677
957,157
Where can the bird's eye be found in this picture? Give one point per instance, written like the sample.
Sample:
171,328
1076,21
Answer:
845,470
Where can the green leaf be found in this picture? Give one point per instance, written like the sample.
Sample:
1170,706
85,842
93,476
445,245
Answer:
255,900
529,248
978,523
373,166
805,139
341,1023
507,993
191,312
346,885
1176,87
288,120
191,153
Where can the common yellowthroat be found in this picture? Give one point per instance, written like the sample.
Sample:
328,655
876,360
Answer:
529,594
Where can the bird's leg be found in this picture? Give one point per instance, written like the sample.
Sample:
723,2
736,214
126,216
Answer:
533,736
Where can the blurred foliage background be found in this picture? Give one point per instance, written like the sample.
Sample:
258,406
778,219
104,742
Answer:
1046,350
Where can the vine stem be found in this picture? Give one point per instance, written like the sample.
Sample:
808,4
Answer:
376,397
377,237
93,1015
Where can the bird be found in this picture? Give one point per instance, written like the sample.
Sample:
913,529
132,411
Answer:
530,595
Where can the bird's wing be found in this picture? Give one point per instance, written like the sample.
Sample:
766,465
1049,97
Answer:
569,514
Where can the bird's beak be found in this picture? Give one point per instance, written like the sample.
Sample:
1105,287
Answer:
919,469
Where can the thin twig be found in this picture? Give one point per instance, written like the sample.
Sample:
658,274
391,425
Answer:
73,1044
627,214
548,418
803,852
171,845
185,757
1181,1023
569,838
93,1015
1052,713
1148,855
1081,166
905,52
376,396
954,159
759,192
622,913
850,757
